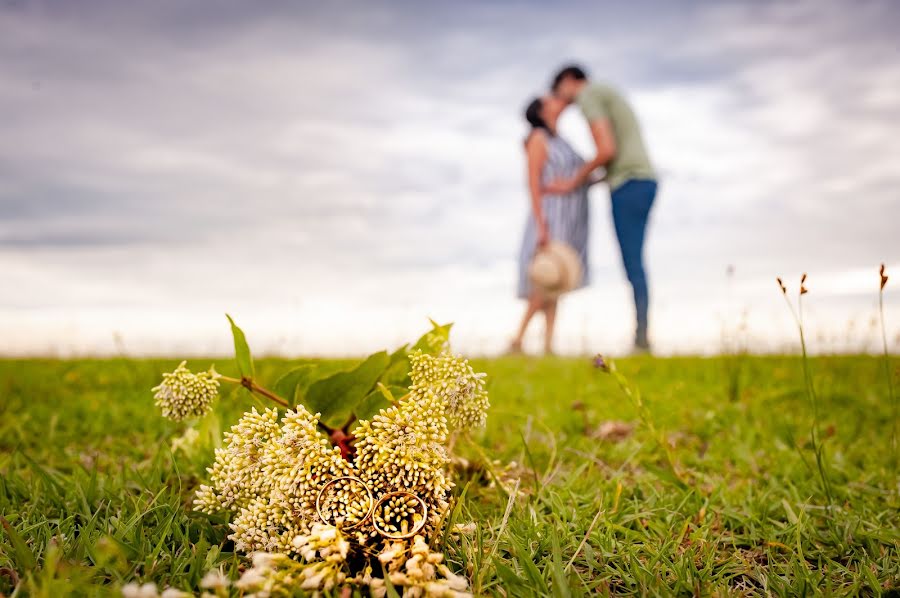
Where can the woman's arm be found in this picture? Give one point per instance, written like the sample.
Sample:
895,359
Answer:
605,142
536,150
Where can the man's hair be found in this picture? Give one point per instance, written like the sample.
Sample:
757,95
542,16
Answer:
573,70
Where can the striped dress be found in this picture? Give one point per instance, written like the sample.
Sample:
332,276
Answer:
566,215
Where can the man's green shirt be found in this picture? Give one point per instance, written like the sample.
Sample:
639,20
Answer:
631,161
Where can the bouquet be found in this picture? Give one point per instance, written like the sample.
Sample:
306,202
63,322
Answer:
346,482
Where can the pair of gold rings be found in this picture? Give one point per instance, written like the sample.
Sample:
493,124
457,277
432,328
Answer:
377,522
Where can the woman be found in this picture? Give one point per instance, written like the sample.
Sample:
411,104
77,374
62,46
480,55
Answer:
558,217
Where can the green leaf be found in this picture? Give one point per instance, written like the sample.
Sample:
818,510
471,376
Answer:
241,350
293,385
337,396
390,591
24,556
380,398
398,368
510,578
398,355
390,393
560,583
526,560
433,341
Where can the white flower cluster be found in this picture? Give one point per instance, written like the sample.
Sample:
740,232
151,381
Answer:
270,474
148,590
326,549
183,394
187,442
272,574
420,571
455,383
237,475
403,449
277,574
295,497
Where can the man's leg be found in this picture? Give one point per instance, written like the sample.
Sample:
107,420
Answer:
631,205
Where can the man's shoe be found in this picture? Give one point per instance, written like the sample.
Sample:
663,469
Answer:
641,347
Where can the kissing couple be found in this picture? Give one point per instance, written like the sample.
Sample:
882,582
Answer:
553,258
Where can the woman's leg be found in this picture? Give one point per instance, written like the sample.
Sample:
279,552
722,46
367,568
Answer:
535,303
550,317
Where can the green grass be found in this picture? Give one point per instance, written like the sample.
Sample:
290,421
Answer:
97,498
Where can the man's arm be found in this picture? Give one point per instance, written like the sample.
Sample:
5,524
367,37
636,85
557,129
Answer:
605,144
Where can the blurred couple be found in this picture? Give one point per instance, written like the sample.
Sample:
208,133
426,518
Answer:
554,256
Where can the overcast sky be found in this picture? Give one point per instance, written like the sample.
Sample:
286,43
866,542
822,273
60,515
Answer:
334,173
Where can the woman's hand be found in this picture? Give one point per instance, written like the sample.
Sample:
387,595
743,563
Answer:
561,186
543,234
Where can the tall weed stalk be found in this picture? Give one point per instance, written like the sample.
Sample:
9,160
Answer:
887,368
815,434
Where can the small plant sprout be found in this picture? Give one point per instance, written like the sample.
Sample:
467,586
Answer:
633,394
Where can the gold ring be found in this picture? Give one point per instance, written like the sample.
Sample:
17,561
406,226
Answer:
336,480
395,535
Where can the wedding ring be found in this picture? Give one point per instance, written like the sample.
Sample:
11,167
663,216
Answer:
370,500
399,534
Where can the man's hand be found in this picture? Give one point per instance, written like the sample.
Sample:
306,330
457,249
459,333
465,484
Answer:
561,186
605,142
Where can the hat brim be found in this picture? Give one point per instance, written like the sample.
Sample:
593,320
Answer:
570,264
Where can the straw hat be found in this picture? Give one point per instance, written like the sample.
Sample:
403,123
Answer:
555,269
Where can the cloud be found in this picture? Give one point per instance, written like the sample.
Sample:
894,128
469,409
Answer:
362,162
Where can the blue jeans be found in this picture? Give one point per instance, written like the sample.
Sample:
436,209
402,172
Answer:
631,205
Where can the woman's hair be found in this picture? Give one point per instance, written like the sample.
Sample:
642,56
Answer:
533,115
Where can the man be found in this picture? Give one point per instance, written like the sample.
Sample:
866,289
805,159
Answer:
631,178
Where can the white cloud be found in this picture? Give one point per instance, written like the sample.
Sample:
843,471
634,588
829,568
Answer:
335,178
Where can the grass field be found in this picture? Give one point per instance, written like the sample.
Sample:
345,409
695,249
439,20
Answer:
97,497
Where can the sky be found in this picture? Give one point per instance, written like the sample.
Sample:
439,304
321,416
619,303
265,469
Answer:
334,174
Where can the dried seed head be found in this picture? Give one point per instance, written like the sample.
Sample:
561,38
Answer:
601,363
803,278
781,285
884,277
